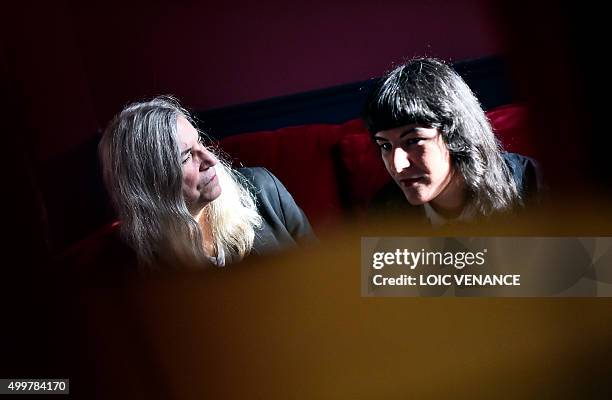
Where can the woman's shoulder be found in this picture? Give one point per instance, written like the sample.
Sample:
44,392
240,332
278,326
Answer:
284,219
525,172
257,176
519,161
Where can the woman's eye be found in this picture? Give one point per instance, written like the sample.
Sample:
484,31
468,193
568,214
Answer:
385,146
187,158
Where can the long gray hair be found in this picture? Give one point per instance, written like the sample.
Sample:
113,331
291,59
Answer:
427,91
142,171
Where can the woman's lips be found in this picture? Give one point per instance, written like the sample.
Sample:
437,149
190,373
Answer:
207,181
410,181
212,179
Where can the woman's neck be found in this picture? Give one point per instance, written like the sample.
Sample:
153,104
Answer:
207,235
453,198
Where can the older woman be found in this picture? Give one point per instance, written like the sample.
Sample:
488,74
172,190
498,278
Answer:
179,203
440,150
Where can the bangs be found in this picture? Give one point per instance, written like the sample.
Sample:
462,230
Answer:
391,105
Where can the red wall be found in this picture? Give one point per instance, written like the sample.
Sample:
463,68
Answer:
78,64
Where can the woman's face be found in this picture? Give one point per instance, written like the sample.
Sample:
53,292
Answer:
200,181
418,160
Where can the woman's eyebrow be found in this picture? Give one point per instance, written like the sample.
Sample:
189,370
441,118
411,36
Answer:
409,131
184,152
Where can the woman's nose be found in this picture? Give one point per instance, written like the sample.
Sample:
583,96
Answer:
207,159
400,160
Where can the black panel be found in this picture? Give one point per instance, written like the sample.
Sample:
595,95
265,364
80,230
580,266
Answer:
487,77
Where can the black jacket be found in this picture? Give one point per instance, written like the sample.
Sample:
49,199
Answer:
284,223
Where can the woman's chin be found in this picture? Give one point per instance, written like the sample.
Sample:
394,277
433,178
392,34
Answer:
415,199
